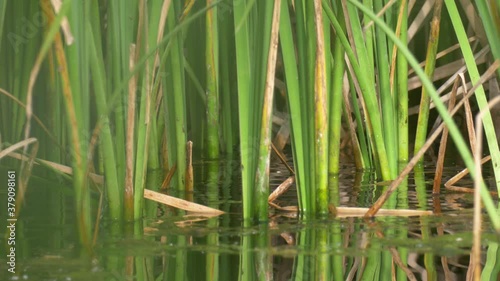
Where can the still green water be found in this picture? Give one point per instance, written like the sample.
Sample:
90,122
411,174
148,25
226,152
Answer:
177,246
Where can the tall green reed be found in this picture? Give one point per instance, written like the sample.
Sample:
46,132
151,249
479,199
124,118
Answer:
430,64
212,71
252,29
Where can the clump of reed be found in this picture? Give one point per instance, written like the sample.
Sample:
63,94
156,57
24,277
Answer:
121,86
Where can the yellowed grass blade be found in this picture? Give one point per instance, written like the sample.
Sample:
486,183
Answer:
179,203
359,212
98,179
15,146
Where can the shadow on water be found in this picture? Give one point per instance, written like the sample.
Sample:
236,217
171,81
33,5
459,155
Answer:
174,245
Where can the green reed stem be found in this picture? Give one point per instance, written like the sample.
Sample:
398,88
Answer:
107,143
294,103
335,122
3,5
228,116
263,166
321,113
143,119
430,63
245,108
176,59
364,159
212,72
309,103
402,89
387,102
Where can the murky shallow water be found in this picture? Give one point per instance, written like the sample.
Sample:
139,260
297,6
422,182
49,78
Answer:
175,246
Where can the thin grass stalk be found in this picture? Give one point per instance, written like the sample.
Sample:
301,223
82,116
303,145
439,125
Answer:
78,65
25,81
335,109
335,101
309,101
443,142
143,118
386,98
370,42
197,84
170,131
244,76
227,113
480,95
20,58
476,222
364,148
3,5
54,107
189,169
262,176
254,23
294,102
402,88
321,113
116,63
107,143
305,80
212,73
430,64
12,81
156,31
196,70
129,166
328,48
258,18
356,146
179,102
